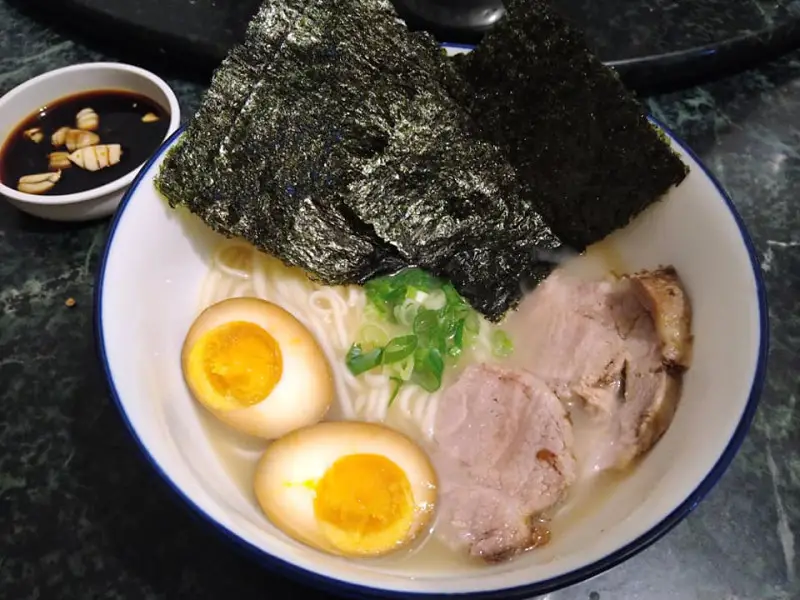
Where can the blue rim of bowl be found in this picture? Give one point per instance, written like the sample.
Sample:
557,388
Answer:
343,588
459,46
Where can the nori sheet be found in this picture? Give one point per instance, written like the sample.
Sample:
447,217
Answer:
450,203
231,87
273,178
580,142
343,77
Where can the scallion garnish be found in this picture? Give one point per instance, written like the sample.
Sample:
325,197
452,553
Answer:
433,326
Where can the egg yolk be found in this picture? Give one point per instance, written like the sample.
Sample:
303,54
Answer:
364,504
237,365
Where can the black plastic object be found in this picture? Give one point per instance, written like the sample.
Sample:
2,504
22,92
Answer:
460,21
653,44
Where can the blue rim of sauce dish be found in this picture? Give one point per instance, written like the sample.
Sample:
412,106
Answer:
305,577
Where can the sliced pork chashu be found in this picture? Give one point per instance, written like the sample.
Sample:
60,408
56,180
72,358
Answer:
618,346
662,294
503,454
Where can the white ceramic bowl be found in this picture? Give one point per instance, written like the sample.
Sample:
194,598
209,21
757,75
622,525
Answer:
25,99
147,297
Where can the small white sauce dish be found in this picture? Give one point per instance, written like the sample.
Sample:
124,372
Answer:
47,88
147,297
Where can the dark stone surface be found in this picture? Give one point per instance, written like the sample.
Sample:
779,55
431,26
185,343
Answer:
654,44
82,516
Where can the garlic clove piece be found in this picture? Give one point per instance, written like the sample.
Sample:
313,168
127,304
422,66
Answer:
150,118
94,158
39,183
59,160
59,138
35,134
77,139
87,120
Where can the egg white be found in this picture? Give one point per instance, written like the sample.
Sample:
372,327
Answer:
305,390
301,458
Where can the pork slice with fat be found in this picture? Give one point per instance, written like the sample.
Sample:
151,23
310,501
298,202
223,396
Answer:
661,293
617,346
503,453
575,333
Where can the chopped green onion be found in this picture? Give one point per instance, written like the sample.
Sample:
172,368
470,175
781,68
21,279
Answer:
402,369
454,299
457,346
398,383
406,312
436,300
432,324
415,294
501,344
399,348
428,369
439,342
372,336
360,362
387,293
425,325
447,321
472,323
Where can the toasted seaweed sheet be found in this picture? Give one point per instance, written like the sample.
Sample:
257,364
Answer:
580,142
293,151
345,74
188,164
454,207
292,119
271,169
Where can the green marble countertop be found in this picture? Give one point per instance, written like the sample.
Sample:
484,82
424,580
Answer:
83,516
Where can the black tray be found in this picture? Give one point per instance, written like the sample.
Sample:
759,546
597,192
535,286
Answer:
654,44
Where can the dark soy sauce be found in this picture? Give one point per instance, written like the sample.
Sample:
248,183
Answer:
120,113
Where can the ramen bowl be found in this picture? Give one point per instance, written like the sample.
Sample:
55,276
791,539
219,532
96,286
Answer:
147,297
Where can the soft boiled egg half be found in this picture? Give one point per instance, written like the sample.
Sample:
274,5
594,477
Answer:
256,368
353,489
